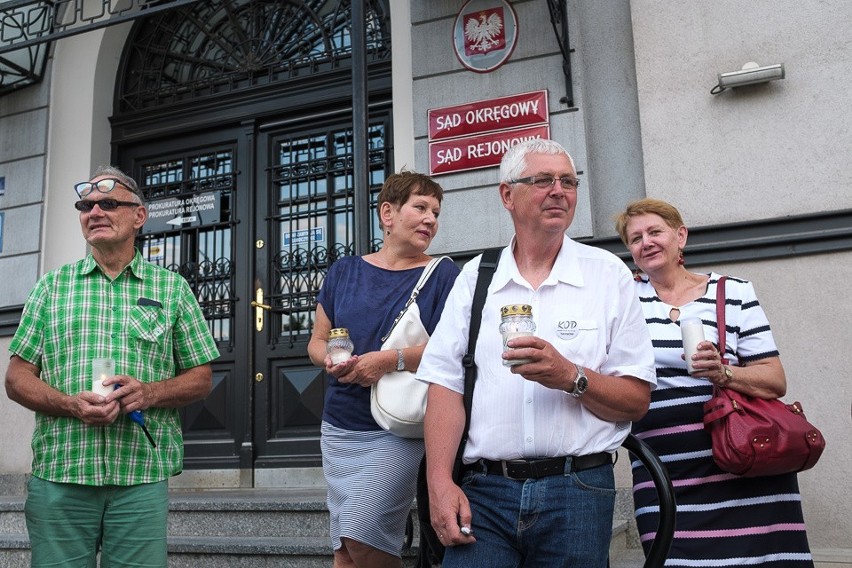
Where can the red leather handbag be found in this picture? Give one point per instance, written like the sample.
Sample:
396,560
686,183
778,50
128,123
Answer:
754,437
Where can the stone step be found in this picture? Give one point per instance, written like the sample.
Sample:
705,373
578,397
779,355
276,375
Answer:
227,552
221,529
260,513
219,552
12,515
249,528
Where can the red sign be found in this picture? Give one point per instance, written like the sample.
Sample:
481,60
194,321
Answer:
474,152
513,111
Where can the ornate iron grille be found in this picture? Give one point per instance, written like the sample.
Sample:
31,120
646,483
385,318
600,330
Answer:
26,23
200,248
28,26
314,217
221,46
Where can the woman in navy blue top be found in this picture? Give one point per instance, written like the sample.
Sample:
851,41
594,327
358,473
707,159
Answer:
371,473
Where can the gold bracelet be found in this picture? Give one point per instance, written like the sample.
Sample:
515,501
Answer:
727,376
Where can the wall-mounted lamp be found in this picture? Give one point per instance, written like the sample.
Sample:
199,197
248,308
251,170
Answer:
750,74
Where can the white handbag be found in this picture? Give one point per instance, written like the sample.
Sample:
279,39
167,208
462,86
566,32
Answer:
398,400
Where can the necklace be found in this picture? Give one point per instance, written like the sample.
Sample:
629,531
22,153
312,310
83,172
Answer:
685,295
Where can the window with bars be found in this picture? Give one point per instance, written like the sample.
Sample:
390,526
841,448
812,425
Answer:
314,217
190,228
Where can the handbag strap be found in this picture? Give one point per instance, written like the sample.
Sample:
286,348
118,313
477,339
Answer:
487,267
720,317
424,277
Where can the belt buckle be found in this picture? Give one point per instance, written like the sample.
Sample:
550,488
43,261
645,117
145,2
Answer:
504,464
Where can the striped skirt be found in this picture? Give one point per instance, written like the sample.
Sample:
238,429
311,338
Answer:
372,480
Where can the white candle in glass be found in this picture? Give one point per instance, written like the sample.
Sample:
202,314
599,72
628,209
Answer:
692,331
102,368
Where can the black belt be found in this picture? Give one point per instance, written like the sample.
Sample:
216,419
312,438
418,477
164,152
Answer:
536,468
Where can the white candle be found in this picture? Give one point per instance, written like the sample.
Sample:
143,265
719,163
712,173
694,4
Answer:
692,331
512,335
339,356
102,368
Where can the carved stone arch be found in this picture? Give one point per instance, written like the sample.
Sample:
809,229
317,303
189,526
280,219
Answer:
215,47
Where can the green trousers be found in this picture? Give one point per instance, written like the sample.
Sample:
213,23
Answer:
69,524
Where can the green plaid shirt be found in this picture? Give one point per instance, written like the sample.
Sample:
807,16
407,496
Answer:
75,314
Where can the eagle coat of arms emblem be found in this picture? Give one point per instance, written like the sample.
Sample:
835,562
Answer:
485,34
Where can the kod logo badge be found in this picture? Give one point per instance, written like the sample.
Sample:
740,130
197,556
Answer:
567,329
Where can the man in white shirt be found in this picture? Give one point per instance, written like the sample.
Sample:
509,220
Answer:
538,486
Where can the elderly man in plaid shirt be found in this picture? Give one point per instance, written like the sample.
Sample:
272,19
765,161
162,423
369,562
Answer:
98,483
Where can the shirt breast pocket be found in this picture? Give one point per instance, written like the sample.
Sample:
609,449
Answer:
577,339
148,324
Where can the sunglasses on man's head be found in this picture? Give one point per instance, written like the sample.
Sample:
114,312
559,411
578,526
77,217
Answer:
105,185
86,205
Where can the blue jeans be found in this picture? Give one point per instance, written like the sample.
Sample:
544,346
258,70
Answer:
551,522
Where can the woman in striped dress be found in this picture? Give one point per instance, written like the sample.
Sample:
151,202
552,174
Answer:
722,519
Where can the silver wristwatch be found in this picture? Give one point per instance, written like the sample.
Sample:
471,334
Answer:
581,383
400,361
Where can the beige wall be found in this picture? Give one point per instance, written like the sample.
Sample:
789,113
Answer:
763,152
807,304
471,214
79,133
17,423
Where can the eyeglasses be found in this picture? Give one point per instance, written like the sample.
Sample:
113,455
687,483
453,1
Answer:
546,182
105,185
86,205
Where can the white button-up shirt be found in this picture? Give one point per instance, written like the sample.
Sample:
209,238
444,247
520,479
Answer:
588,309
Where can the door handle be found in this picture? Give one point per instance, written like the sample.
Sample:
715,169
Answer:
259,307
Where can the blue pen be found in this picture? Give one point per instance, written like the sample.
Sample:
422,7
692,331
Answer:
139,418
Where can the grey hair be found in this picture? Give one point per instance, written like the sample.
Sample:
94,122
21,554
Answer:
128,182
515,159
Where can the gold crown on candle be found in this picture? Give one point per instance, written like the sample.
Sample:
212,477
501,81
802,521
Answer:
338,332
516,310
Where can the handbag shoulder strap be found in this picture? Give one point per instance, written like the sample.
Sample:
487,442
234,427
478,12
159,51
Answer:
424,277
487,267
720,316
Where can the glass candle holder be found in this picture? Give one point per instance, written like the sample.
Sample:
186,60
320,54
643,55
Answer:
515,321
339,345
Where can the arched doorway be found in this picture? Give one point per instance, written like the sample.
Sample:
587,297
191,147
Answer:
235,117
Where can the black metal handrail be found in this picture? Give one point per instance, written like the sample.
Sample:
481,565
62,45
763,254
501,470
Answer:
656,556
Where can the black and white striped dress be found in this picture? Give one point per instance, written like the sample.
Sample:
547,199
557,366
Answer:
722,519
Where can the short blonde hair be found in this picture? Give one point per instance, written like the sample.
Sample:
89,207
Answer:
665,210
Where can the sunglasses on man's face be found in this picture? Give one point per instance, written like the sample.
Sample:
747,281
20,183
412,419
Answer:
105,185
86,205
